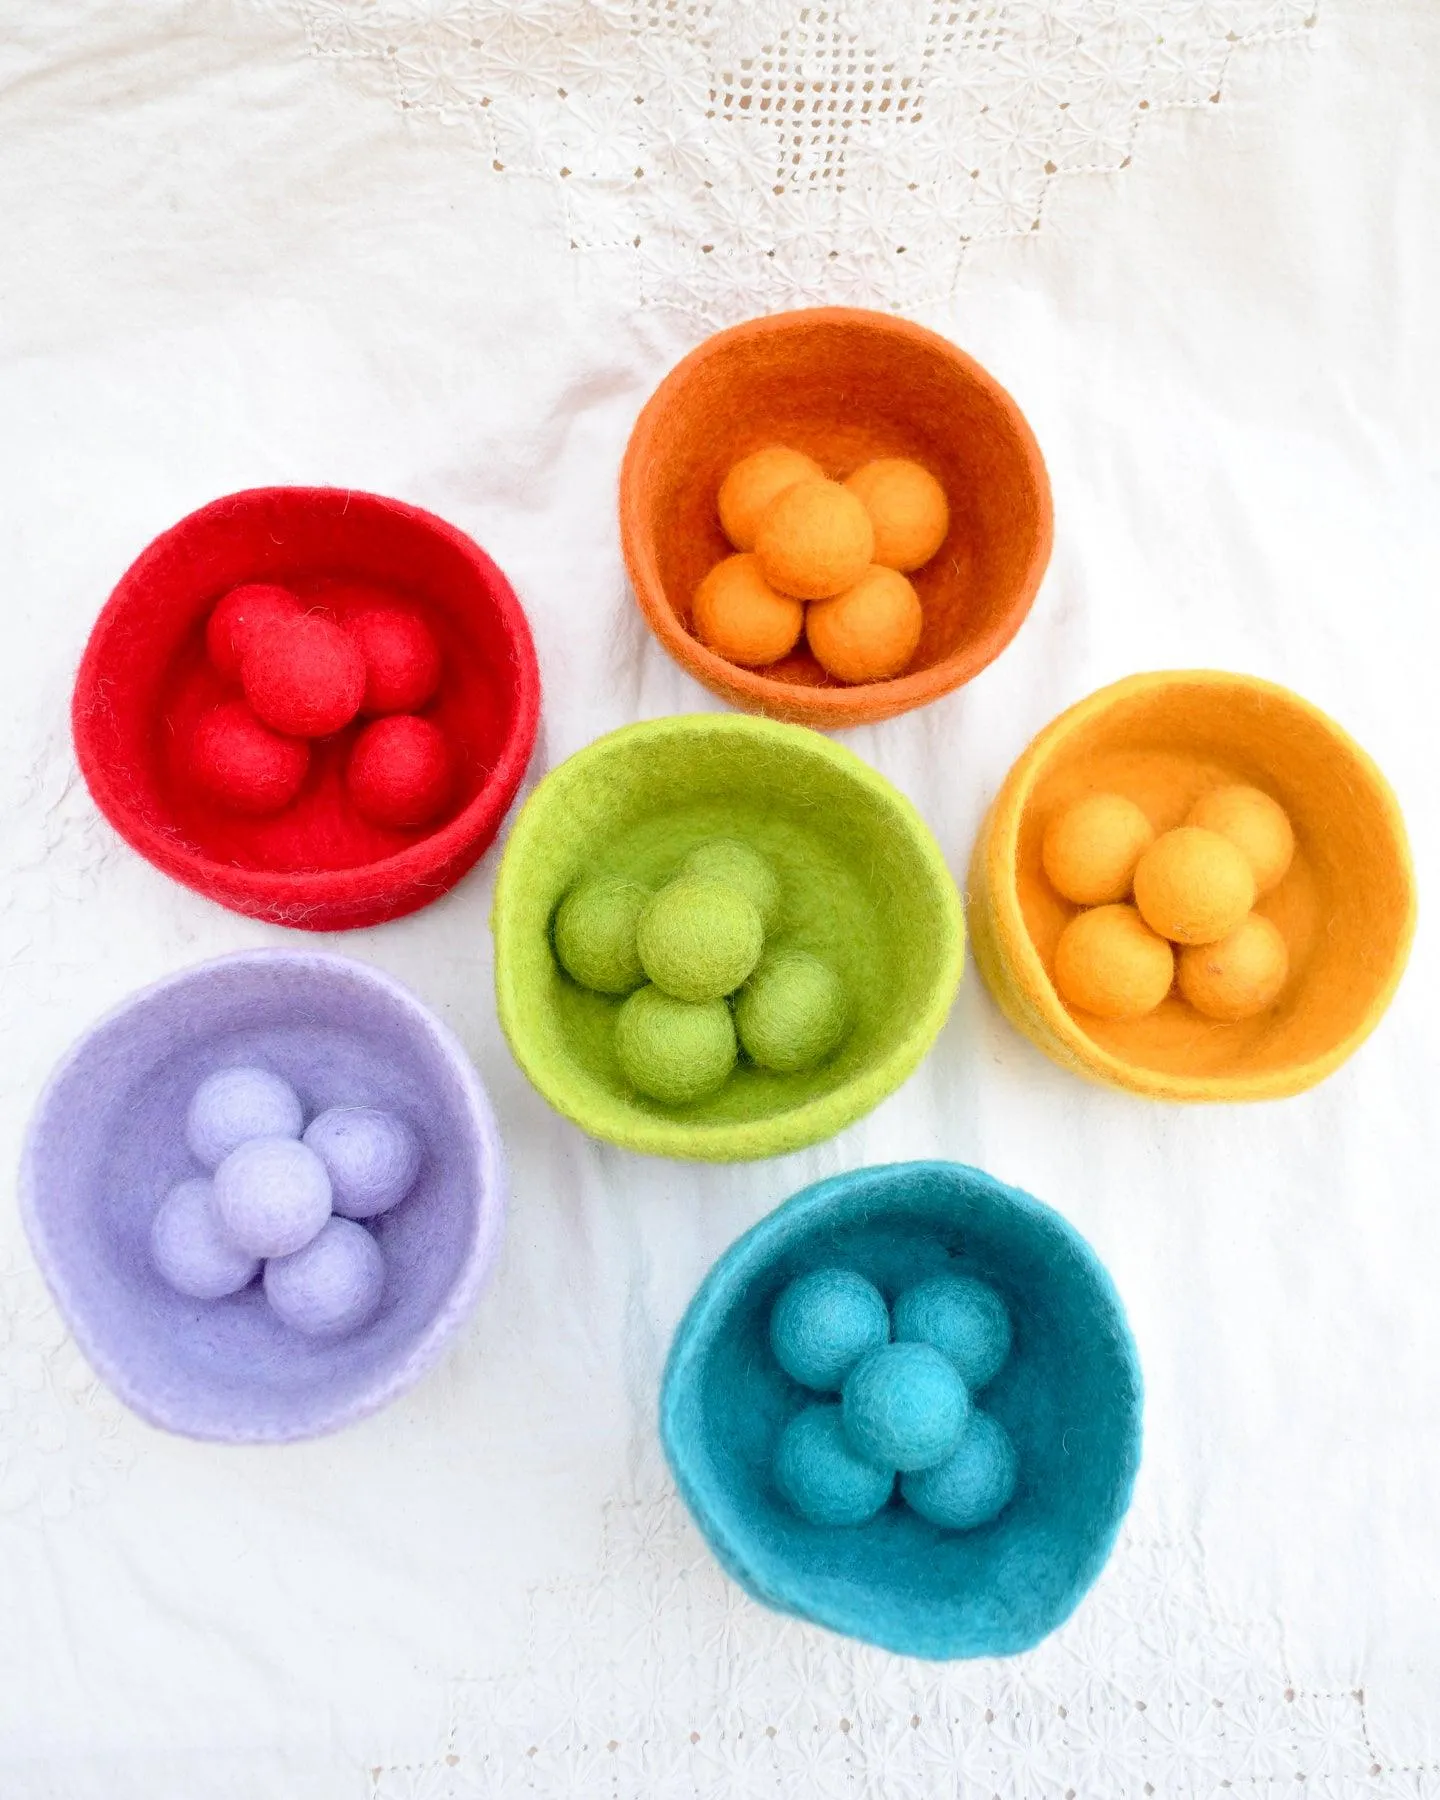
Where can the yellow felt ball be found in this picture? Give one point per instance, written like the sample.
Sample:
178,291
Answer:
1240,975
741,617
753,483
868,633
815,540
907,507
1110,963
1091,848
1255,824
1193,886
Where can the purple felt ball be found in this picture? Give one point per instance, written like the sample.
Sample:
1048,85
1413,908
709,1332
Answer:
331,1286
191,1249
233,1105
372,1158
273,1195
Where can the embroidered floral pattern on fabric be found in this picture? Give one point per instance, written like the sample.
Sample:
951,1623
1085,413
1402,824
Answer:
743,157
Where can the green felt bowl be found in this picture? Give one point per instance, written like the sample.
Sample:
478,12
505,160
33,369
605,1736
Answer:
865,887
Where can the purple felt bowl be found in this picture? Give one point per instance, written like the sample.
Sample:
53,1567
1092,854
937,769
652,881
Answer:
107,1143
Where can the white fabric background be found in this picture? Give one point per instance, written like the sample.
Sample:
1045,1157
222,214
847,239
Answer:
248,243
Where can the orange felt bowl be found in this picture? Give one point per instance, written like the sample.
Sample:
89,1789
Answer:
845,386
145,681
1346,908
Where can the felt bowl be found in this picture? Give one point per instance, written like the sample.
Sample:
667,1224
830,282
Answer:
1069,1396
145,680
107,1143
865,888
844,386
1346,909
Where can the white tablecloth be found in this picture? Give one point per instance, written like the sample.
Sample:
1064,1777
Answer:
443,249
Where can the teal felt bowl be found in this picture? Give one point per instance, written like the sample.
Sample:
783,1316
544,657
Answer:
1069,1396
863,886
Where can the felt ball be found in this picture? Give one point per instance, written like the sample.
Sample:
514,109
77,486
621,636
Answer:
191,1249
400,774
372,1158
907,507
736,865
1255,824
234,1105
303,676
402,659
244,764
698,940
753,483
823,1323
272,1195
332,1285
595,934
974,1484
1090,849
1193,886
819,1474
1110,963
1239,975
792,1012
869,632
905,1406
741,617
963,1318
674,1050
244,611
815,539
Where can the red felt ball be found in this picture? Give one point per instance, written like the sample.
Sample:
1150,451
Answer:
243,764
400,772
238,616
303,676
402,659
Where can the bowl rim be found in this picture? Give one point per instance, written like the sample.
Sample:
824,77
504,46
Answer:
814,1120
316,898
474,1270
995,911
797,1216
753,689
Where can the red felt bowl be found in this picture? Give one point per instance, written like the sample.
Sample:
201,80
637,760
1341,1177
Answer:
145,681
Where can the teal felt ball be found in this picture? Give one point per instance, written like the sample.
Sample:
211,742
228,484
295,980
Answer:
699,940
961,1316
736,865
674,1050
823,1323
792,1012
819,1474
595,931
905,1407
975,1482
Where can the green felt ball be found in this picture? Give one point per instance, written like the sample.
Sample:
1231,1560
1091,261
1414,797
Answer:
736,865
595,934
699,940
674,1050
792,1012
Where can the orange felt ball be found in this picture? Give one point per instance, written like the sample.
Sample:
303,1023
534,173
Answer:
753,483
1110,963
1091,848
815,540
400,772
741,617
1255,824
907,507
1193,886
868,633
1239,975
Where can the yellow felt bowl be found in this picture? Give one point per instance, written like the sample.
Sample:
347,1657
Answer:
1346,908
